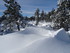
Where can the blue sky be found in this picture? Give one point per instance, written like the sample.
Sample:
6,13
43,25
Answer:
28,7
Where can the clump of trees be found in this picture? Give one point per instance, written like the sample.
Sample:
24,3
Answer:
42,16
60,16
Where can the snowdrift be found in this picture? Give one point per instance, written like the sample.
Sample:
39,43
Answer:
47,45
62,35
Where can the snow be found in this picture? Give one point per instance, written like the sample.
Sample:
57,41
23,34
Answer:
36,39
62,35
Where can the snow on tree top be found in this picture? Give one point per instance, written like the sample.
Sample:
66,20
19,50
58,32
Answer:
60,1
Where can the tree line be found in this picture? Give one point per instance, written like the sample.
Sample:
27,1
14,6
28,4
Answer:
12,18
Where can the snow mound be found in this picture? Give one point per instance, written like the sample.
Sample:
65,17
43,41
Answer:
45,45
62,35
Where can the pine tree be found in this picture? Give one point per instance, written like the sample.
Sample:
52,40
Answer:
12,14
42,15
62,15
37,16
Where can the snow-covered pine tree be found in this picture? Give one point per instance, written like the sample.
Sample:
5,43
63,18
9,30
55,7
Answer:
62,16
12,14
37,18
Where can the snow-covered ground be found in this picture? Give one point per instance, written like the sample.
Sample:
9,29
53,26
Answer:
36,39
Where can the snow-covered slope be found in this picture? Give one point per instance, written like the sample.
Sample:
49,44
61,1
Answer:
21,39
34,40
